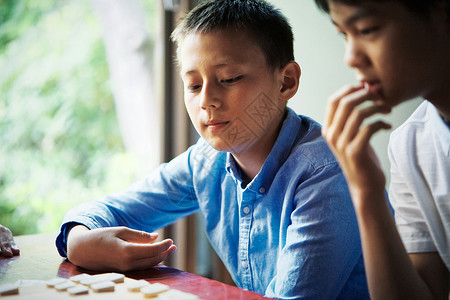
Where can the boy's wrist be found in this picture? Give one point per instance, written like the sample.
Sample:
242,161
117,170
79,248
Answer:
369,201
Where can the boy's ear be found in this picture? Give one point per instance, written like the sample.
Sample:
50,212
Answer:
290,80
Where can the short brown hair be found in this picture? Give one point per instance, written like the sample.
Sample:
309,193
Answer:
266,24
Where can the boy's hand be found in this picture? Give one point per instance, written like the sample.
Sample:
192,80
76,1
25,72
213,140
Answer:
349,138
116,248
7,244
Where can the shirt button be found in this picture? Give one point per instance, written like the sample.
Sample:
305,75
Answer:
244,264
262,190
246,210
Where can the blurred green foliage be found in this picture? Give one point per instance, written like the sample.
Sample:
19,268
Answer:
59,139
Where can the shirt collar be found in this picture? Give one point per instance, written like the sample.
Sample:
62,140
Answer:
277,156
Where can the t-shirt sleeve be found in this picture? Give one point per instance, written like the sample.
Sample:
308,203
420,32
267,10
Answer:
409,218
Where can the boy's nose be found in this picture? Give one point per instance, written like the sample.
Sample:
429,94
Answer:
209,96
355,56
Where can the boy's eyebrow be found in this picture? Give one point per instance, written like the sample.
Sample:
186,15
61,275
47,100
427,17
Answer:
182,72
218,65
359,14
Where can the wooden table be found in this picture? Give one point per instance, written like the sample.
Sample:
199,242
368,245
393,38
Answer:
39,260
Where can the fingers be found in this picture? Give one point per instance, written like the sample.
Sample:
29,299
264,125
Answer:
348,133
141,256
368,131
149,250
345,114
6,250
333,104
148,262
10,249
342,107
141,249
355,120
137,236
15,249
7,245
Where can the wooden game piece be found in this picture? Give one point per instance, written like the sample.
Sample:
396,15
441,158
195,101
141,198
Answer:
55,281
64,286
104,286
79,277
177,294
8,289
135,286
152,290
78,290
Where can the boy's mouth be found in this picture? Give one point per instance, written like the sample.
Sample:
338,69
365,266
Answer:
215,125
372,86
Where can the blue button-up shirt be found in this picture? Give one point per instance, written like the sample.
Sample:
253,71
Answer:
291,233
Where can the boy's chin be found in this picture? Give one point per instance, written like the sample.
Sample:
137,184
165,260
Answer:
392,102
221,145
393,98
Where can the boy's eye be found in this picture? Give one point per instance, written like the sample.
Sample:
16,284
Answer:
369,30
231,80
193,88
343,34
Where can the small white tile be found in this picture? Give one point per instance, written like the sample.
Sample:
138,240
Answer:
135,286
152,290
8,289
55,281
104,286
64,286
78,290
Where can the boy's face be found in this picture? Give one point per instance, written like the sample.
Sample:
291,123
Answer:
395,52
231,95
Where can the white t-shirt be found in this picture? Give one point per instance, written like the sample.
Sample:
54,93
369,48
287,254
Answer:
420,182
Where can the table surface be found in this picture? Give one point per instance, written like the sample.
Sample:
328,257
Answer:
39,260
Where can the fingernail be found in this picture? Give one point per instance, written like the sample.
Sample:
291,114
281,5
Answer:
366,86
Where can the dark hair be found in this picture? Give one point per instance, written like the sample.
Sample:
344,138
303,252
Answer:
267,25
421,7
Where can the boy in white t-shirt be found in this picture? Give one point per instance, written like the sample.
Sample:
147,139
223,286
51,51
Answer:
400,50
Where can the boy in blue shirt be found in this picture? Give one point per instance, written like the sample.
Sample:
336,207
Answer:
276,205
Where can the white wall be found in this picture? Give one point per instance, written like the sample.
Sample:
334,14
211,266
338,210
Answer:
320,51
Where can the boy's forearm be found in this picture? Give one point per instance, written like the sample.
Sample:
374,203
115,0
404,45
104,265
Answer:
390,272
75,231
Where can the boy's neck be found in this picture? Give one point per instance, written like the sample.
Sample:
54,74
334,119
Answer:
252,160
250,166
440,98
443,108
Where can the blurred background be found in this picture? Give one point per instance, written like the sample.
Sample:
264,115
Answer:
90,101
60,139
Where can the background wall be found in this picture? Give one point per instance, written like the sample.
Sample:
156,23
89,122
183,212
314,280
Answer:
320,52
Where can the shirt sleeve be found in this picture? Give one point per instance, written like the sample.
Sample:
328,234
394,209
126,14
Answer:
409,217
322,249
163,197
